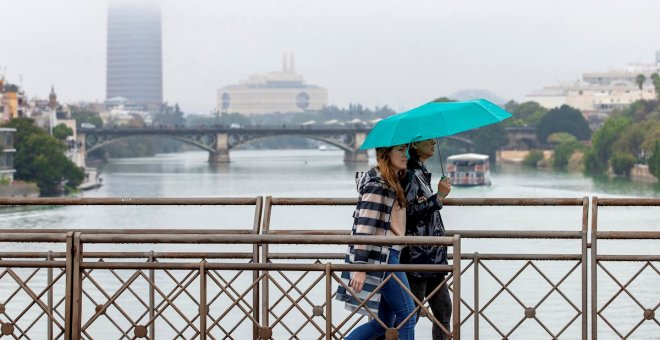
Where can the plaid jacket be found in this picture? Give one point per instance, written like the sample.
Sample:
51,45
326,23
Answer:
371,217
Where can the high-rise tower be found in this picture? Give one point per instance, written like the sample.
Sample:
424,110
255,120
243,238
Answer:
134,54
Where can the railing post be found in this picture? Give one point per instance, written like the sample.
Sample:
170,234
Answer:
594,269
585,270
152,297
476,296
76,295
456,274
202,300
265,258
328,301
256,229
50,296
68,293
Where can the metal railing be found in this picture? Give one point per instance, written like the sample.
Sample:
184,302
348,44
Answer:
82,310
77,312
646,312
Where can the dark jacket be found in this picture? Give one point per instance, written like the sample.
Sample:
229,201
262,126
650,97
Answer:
423,219
371,217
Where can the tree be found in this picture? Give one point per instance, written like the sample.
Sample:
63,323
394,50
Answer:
563,119
567,144
85,115
489,139
597,157
524,114
654,160
40,158
533,158
623,162
443,100
638,139
641,110
655,78
61,132
640,79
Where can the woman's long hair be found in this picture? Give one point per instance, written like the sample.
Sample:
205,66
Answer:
390,175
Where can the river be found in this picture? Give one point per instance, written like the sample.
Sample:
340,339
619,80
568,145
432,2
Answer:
313,173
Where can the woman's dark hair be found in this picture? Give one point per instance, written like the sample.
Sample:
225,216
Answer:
413,158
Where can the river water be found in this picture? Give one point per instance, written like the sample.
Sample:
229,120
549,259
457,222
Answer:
312,173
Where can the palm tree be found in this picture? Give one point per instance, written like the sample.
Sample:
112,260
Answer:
640,82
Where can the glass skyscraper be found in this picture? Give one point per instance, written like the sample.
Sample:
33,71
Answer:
134,53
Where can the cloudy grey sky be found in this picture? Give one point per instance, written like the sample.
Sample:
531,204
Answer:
374,52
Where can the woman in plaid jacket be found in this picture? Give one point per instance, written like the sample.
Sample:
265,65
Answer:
381,210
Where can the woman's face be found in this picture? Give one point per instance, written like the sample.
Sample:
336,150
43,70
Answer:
425,148
398,157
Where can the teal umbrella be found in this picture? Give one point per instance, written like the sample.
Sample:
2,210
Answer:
433,120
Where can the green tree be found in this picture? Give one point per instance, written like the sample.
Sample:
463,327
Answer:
487,140
654,160
61,131
524,114
533,158
623,162
655,78
566,145
637,138
641,110
640,79
563,119
597,157
40,158
85,115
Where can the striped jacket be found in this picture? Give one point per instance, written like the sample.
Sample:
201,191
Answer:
371,217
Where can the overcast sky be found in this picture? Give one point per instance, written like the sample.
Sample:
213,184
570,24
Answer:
374,52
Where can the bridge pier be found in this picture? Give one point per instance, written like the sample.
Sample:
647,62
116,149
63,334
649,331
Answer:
356,156
221,152
219,156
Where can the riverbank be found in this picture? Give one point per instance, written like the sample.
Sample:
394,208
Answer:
639,173
19,189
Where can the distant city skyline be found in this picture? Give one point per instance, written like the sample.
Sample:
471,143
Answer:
373,52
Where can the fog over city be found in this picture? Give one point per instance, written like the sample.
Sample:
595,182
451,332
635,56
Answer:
396,53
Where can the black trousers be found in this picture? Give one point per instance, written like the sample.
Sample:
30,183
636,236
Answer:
440,302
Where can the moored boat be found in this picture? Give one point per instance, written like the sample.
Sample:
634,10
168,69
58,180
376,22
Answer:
469,169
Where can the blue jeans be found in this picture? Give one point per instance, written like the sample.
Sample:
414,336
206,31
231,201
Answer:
395,305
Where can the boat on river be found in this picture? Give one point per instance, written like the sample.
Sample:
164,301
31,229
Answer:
469,169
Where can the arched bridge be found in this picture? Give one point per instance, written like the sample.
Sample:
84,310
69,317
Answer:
218,141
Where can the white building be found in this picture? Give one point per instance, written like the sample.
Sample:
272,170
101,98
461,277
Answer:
284,91
601,92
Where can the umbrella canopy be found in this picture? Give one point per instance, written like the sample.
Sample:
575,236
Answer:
433,120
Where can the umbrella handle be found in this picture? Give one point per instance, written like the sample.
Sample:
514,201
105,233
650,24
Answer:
442,167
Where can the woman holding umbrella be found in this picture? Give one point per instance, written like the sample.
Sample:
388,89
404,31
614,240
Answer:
381,210
423,219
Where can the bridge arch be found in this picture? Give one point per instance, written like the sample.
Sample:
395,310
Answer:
339,144
97,143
